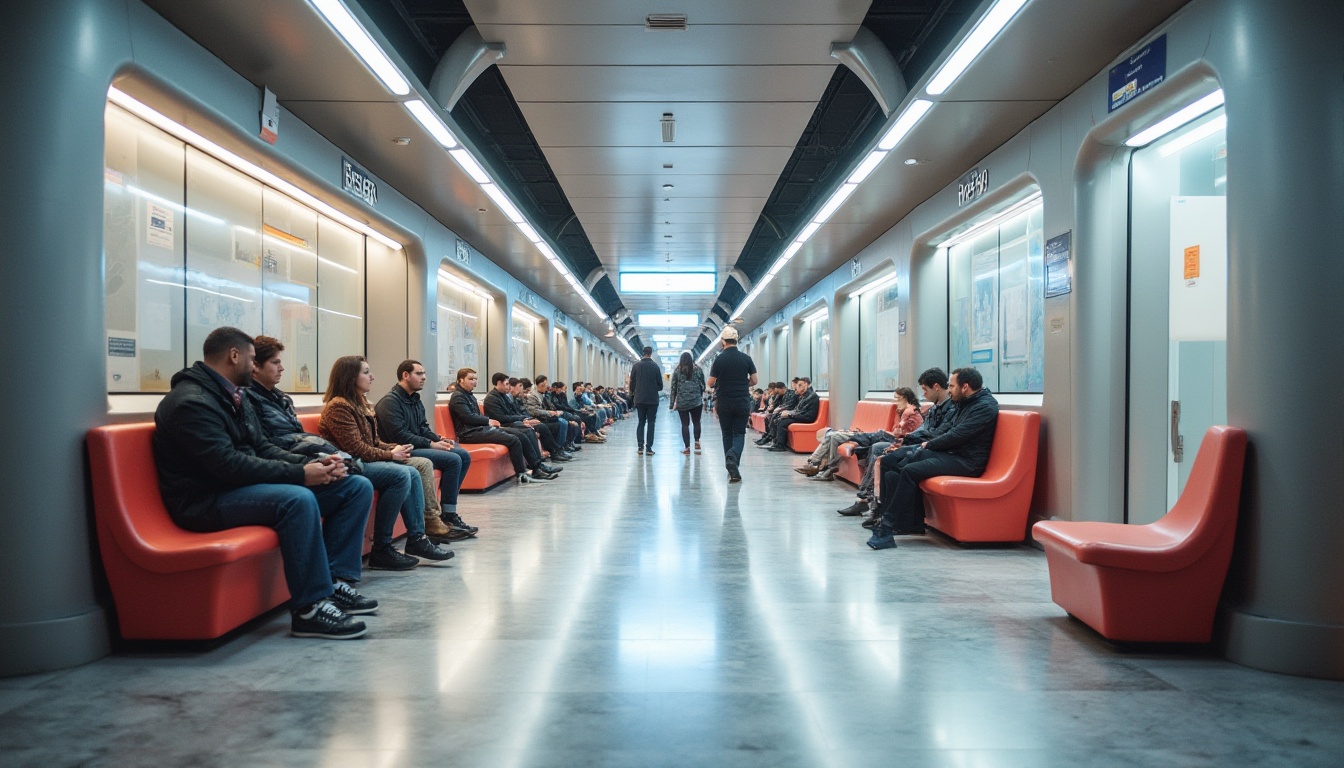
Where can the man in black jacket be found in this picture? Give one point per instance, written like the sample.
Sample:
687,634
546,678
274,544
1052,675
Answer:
646,381
472,426
804,411
788,399
402,420
573,427
217,470
560,402
962,449
499,406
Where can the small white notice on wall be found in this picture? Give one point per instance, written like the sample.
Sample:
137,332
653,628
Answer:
159,226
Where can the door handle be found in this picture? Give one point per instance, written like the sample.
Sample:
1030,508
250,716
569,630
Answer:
1177,442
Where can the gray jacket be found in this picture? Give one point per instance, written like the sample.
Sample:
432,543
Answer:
688,393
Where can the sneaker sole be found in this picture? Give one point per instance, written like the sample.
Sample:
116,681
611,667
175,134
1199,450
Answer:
359,612
410,567
432,563
324,636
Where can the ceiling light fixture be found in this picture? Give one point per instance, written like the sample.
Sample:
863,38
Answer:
1194,136
355,36
868,165
988,28
815,316
873,285
668,282
994,220
668,319
905,123
465,285
832,205
431,122
502,200
1162,128
470,165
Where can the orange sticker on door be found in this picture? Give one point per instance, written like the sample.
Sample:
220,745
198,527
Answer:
1192,264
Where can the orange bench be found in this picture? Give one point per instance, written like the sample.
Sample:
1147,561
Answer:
869,416
1158,582
490,464
757,421
994,506
169,583
803,437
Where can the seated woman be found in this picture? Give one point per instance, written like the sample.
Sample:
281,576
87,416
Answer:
825,460
348,421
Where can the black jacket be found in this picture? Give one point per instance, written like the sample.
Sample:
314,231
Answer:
466,413
281,424
972,432
789,400
806,407
646,381
500,408
202,448
937,421
402,419
559,402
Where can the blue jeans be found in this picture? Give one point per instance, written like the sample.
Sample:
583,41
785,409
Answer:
321,529
452,465
399,489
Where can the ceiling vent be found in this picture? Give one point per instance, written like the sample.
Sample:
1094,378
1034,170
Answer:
669,124
672,22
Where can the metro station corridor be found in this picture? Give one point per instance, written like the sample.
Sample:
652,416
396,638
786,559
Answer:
641,611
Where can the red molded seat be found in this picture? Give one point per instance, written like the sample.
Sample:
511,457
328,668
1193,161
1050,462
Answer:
869,416
803,437
994,506
1158,582
168,583
757,421
490,464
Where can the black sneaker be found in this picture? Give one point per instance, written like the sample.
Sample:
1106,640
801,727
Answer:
648,451
428,552
323,619
456,522
351,602
562,457
778,449
389,559
550,470
859,507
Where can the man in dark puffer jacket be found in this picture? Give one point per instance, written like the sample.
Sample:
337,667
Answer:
217,470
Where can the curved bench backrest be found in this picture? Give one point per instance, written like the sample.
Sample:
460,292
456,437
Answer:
443,421
1212,494
823,411
1016,438
310,422
872,415
126,495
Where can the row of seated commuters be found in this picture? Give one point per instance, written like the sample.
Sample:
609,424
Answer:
953,438
230,451
783,407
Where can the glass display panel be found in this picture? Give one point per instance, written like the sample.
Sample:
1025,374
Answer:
461,321
879,339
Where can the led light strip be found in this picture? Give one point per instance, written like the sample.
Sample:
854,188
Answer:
881,282
373,56
198,141
1162,128
1020,207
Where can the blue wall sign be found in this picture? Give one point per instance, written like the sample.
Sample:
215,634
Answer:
1136,75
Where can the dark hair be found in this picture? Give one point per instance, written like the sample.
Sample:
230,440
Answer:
804,379
908,395
526,382
557,385
341,382
686,365
514,381
462,373
407,366
222,339
647,351
497,377
970,377
541,379
267,347
934,377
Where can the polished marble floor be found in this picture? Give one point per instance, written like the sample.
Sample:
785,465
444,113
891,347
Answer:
641,611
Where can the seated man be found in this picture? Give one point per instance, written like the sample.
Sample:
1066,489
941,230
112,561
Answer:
803,412
500,407
540,401
788,398
472,426
825,460
546,421
560,402
962,449
402,420
217,470
934,384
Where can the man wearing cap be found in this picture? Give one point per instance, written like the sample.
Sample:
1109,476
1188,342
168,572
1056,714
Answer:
731,377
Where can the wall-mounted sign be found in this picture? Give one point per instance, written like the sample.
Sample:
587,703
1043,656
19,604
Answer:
901,327
560,319
529,298
972,186
1138,74
358,182
779,317
433,327
463,254
855,268
1058,272
270,118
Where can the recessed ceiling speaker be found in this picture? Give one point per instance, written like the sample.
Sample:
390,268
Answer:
665,22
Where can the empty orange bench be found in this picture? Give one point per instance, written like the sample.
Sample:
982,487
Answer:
757,421
869,416
994,506
490,464
1158,582
169,583
803,437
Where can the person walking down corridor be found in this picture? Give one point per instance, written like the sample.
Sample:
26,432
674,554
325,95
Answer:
688,398
646,381
732,376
